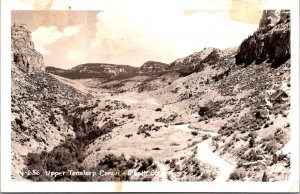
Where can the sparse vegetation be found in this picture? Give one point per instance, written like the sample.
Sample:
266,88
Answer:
167,118
190,169
144,129
238,174
242,94
69,154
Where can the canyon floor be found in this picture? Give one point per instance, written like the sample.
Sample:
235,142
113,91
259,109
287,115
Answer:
215,115
186,128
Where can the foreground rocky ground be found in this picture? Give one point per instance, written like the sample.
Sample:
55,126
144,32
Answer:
212,116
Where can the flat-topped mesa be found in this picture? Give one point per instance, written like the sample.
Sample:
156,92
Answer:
23,53
270,43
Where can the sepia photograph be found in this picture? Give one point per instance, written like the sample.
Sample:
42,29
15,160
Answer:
151,95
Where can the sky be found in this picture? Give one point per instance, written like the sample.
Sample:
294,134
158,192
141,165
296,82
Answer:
131,37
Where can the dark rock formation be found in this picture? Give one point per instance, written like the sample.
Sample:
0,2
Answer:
203,110
270,43
23,54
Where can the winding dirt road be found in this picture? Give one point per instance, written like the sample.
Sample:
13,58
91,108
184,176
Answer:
205,154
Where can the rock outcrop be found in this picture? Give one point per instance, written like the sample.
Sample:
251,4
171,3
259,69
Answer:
151,67
23,54
270,43
195,59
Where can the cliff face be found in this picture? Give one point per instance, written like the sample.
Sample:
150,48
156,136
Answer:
38,102
270,43
23,54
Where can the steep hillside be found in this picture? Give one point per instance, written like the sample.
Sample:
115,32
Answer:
270,43
199,60
39,103
194,59
247,105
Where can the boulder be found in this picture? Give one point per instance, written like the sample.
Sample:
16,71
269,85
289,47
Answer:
203,110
